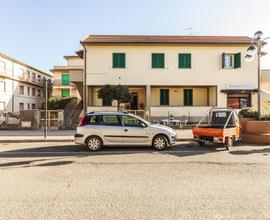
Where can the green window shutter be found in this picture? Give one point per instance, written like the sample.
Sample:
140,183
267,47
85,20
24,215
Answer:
237,60
164,97
158,60
65,92
119,60
223,60
115,60
188,97
184,60
65,80
122,60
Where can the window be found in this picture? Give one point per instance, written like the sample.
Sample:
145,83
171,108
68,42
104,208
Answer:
2,106
131,121
33,92
184,60
65,92
21,90
106,102
230,60
28,74
65,80
164,97
33,77
119,60
239,101
38,93
188,97
28,106
111,120
33,106
158,60
28,91
2,67
2,87
21,106
39,78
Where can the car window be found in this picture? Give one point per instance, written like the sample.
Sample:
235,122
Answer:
131,121
111,120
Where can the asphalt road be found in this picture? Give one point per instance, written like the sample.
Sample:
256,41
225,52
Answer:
65,181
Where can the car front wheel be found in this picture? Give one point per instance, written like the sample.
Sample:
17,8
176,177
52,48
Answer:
160,142
94,143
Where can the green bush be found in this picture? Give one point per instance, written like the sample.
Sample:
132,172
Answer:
248,113
265,117
57,103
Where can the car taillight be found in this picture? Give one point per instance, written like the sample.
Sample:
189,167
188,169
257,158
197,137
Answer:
81,123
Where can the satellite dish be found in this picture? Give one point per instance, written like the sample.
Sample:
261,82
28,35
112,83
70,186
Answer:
258,35
252,50
249,58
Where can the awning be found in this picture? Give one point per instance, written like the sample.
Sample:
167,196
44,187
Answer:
232,91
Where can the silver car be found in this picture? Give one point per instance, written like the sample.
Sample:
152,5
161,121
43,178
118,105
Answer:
97,129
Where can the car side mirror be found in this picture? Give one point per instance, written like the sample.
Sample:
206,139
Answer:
142,125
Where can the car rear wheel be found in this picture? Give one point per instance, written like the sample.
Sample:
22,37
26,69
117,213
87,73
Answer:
94,143
160,142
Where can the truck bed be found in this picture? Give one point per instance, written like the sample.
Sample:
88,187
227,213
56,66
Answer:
214,131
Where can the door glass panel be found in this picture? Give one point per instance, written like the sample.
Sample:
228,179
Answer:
111,120
131,121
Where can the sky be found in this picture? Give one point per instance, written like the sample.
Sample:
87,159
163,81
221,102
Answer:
41,32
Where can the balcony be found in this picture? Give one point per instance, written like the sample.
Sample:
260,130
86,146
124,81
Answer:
58,84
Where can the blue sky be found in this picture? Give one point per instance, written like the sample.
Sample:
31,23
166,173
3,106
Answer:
40,32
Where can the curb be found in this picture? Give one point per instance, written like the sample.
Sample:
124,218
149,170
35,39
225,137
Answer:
58,140
37,140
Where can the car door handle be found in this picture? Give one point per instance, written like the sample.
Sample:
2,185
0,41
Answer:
125,130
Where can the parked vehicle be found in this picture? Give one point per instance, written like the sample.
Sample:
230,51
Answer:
222,127
6,120
97,129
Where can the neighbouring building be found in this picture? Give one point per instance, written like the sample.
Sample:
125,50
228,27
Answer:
266,91
180,75
68,80
21,85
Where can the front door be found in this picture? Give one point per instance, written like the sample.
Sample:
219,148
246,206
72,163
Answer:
134,130
134,101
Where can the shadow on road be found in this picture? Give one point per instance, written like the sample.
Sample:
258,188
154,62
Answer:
33,163
264,151
182,149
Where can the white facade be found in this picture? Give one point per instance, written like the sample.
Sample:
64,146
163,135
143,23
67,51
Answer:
21,85
207,78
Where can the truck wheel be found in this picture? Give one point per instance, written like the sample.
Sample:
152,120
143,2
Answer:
229,143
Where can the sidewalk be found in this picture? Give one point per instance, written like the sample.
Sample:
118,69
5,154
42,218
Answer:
24,136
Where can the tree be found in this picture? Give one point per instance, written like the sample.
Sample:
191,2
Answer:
106,93
119,93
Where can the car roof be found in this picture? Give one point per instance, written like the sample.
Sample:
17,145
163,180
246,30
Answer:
108,113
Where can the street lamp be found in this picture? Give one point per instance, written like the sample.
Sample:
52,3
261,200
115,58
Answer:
258,42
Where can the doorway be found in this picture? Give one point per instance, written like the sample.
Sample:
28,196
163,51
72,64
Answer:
134,101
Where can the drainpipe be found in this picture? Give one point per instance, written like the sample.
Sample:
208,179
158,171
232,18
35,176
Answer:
84,82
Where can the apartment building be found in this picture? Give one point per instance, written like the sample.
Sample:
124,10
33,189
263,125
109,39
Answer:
68,78
183,76
21,85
